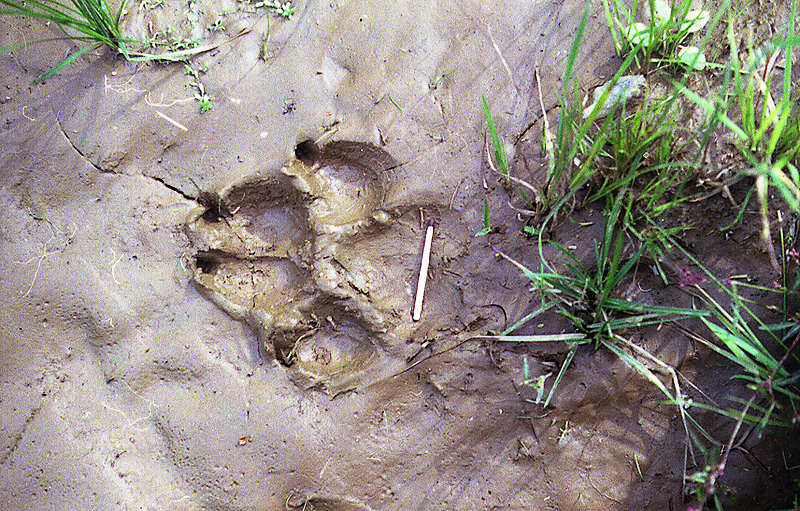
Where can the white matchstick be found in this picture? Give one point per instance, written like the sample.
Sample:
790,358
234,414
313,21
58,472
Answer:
423,271
172,121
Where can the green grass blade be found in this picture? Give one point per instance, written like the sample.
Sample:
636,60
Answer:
64,63
639,367
711,109
487,226
50,7
538,337
527,318
788,47
576,43
734,353
499,149
567,361
46,39
119,12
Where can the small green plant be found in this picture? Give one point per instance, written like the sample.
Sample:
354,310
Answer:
590,298
499,148
175,43
571,152
666,35
637,161
645,152
775,391
150,4
487,225
738,341
204,100
217,26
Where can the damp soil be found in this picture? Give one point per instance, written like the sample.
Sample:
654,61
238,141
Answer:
213,310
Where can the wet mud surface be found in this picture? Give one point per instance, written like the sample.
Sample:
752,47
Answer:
220,317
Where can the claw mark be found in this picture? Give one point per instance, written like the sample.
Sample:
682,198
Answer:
9,450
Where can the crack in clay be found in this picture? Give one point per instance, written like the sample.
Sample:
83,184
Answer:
19,436
105,171
530,126
75,148
170,187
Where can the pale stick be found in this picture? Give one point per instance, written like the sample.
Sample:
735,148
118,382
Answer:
423,271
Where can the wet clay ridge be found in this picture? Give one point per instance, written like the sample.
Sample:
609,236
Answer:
276,251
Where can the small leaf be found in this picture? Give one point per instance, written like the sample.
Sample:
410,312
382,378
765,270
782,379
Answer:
637,34
692,57
662,13
696,19
526,370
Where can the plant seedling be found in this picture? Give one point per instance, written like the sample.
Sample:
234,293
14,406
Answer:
766,129
499,149
487,226
203,98
285,9
94,23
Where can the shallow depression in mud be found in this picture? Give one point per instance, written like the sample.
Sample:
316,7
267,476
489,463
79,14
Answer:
338,348
345,180
262,216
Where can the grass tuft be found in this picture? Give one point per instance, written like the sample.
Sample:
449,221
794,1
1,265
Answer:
85,21
92,24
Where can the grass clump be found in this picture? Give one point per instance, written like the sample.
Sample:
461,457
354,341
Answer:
588,296
93,24
637,162
764,125
85,21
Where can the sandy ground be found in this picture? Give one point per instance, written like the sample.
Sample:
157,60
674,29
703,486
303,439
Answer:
215,312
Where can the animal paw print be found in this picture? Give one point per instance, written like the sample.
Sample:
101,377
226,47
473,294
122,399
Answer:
266,254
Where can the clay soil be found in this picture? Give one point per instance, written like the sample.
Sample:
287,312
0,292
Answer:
212,310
